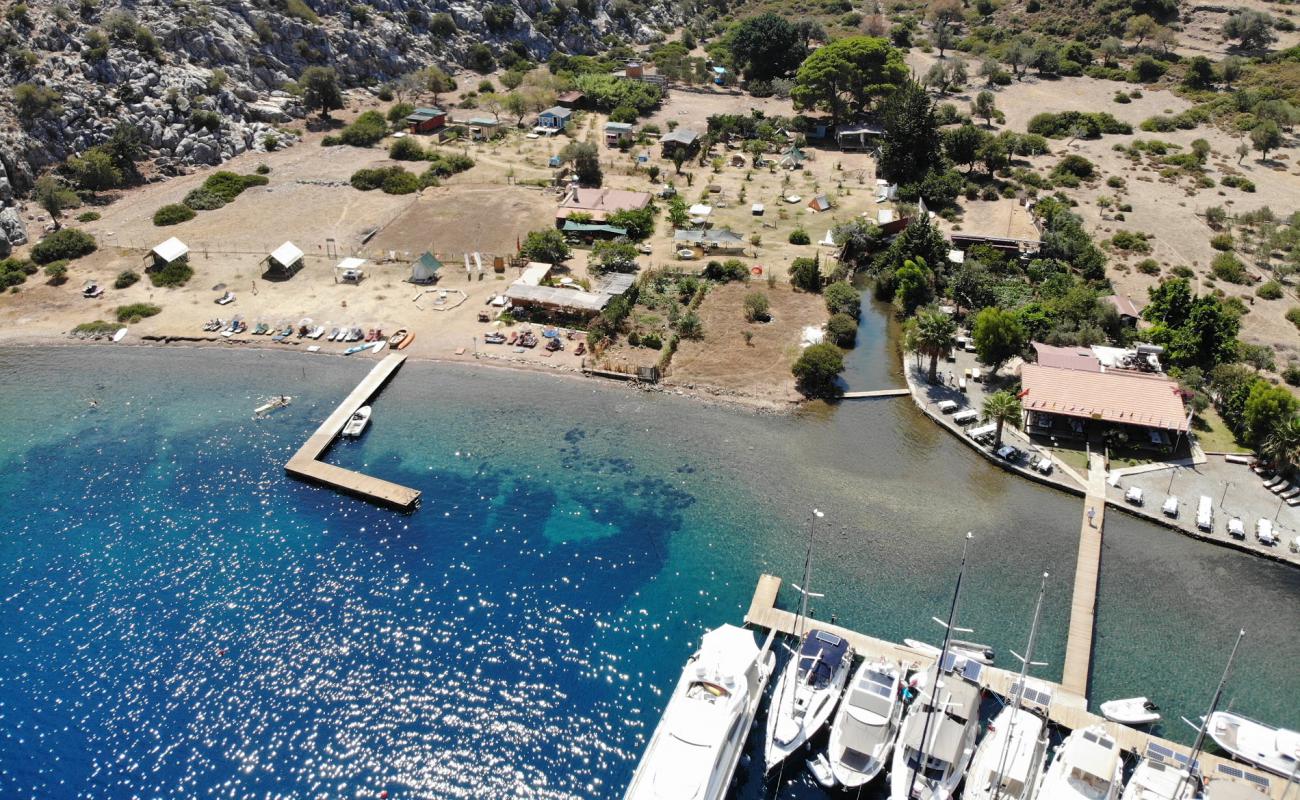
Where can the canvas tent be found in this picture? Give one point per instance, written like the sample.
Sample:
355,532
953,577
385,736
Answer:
169,251
820,203
285,260
425,269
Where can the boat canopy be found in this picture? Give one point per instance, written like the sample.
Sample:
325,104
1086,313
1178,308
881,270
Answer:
728,650
818,657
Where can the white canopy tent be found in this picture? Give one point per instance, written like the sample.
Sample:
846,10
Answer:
286,258
349,270
171,250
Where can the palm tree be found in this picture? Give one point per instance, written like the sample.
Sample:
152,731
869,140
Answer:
1282,447
935,336
910,344
1001,407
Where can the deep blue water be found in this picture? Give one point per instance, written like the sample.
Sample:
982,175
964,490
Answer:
180,619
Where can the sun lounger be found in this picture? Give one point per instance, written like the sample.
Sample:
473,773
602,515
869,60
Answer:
1280,488
1278,481
1289,493
1293,501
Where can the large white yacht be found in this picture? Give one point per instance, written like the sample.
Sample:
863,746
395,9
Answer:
806,693
700,737
1087,766
937,739
867,723
1274,749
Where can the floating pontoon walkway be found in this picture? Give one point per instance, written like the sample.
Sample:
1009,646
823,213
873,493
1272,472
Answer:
1067,709
876,393
306,464
1083,603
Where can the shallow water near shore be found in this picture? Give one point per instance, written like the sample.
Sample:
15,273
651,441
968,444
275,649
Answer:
181,619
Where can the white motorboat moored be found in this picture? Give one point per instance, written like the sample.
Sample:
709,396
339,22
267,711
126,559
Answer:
1087,766
867,723
1131,711
1267,747
937,738
357,424
697,744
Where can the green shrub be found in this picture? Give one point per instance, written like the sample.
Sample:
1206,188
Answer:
1183,271
262,169
1087,125
1228,267
444,165
88,216
365,131
1074,166
1221,241
1291,374
1293,316
799,236
842,298
757,307
1130,241
406,149
177,273
1238,182
57,271
173,214
733,269
1122,98
14,272
202,119
125,279
137,311
1148,266
36,101
1269,290
201,199
369,179
299,10
98,327
66,243
1115,182
842,330
229,185
401,182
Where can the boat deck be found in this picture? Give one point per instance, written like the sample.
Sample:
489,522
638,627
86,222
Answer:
306,464
1068,709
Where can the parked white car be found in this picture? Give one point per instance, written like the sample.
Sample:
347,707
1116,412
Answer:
1264,532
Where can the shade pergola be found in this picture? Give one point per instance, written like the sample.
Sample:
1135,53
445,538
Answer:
286,259
171,250
349,269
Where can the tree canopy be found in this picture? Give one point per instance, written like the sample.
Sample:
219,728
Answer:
585,158
847,76
911,142
765,47
320,89
817,369
998,336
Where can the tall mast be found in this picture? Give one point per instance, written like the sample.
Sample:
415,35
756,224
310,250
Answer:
1025,662
943,652
1205,722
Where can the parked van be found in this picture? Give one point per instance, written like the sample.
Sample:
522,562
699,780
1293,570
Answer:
1205,514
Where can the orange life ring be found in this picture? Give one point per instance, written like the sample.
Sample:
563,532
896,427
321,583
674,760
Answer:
757,270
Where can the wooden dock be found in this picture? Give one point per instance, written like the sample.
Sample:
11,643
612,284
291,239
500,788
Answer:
876,393
1087,568
1068,709
306,464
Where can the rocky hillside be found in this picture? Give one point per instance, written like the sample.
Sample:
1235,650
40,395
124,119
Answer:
205,79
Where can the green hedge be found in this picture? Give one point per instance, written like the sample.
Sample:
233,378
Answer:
64,244
173,214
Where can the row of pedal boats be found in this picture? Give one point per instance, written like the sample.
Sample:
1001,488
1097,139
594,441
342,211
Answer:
919,728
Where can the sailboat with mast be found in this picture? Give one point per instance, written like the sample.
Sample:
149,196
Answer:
1163,774
812,681
937,739
1008,762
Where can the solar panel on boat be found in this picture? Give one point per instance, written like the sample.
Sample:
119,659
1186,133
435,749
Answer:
1089,736
972,671
1231,771
1258,780
1159,749
877,689
949,659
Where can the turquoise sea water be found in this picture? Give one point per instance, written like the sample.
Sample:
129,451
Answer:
180,619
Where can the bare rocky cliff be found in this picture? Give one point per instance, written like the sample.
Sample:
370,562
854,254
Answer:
204,80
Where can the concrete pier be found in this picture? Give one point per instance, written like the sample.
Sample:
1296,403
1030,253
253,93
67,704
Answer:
1068,709
306,464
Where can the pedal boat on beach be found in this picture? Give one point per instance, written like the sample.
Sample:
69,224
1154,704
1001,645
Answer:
698,742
